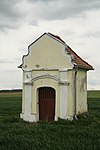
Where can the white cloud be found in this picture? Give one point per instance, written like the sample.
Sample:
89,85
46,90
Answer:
77,22
15,12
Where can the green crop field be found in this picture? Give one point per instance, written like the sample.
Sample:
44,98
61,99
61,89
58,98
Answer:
81,134
93,94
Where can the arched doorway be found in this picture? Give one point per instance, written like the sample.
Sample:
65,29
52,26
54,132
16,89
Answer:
46,103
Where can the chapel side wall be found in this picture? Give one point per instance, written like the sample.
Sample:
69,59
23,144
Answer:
81,91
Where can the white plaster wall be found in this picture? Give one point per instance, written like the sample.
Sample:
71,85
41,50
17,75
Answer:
63,94
46,57
81,95
45,83
28,97
81,91
63,102
44,51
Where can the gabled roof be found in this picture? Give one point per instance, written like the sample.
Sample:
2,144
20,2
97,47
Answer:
76,59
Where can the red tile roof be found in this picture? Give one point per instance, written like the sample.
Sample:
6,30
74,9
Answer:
76,59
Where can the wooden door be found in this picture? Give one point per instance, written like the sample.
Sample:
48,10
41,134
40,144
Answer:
46,103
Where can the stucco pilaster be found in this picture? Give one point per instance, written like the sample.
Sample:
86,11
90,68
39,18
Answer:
63,94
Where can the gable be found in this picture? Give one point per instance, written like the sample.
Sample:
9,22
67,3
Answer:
46,52
51,51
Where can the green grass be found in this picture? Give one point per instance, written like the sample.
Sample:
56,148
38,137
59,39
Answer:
10,104
93,94
10,94
15,134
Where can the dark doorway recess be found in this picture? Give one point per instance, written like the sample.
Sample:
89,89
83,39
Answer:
46,103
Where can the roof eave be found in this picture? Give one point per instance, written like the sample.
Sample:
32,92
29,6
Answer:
86,68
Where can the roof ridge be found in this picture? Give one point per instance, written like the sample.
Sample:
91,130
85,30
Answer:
57,37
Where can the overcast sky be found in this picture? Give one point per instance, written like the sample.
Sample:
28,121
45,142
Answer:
77,22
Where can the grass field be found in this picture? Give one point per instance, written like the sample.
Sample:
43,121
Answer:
81,134
94,94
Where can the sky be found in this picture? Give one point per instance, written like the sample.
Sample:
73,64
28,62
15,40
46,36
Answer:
77,22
